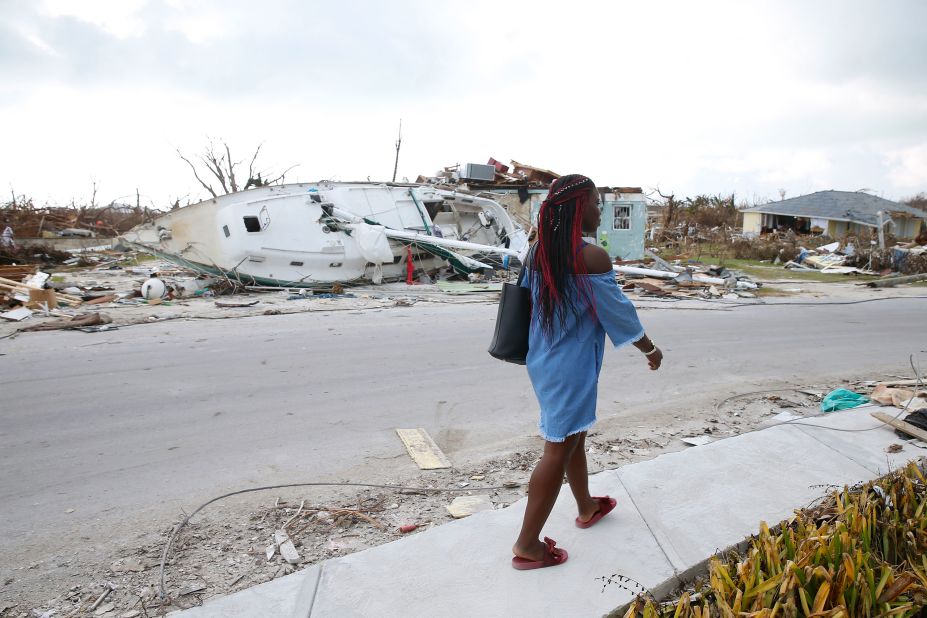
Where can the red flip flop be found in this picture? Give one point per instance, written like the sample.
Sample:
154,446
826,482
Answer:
553,556
606,504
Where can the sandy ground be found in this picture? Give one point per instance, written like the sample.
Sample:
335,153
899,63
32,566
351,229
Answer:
224,549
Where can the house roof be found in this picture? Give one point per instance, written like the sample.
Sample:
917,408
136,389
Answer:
856,207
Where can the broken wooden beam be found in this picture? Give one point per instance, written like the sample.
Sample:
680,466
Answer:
21,287
422,449
901,425
890,282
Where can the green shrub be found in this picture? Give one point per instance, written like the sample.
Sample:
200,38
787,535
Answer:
862,552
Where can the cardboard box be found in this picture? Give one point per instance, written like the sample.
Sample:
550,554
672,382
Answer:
39,297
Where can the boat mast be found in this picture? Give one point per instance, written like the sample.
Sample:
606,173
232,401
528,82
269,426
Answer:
398,144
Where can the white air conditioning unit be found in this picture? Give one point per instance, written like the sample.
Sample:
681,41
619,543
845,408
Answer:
475,171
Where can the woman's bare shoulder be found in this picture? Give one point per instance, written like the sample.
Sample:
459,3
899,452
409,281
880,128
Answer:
597,260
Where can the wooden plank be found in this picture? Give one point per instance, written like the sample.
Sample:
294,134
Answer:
900,383
422,449
17,273
11,282
906,427
19,287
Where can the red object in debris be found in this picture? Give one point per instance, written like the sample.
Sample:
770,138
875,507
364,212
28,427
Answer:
410,267
500,167
407,528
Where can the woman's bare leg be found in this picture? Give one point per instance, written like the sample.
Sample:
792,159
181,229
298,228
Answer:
545,484
577,473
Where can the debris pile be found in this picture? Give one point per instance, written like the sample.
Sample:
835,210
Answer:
903,259
663,279
28,220
126,288
492,173
830,258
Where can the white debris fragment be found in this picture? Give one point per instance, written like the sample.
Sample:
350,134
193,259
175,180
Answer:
287,549
464,506
698,440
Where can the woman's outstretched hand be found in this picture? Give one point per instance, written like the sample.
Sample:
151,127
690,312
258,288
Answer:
655,359
651,352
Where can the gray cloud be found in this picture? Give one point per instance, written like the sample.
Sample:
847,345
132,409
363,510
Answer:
328,50
355,59
845,40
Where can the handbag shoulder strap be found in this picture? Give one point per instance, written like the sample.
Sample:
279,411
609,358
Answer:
528,258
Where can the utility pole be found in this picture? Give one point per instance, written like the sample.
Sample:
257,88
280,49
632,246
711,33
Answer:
398,144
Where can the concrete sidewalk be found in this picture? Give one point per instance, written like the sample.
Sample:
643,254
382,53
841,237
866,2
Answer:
673,512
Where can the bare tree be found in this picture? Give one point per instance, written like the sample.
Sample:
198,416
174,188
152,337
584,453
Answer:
671,209
217,162
917,201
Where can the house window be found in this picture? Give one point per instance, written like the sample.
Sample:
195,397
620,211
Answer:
622,218
252,224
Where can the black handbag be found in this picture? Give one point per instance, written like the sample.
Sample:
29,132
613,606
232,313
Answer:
510,339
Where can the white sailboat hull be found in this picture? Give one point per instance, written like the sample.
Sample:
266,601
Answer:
305,234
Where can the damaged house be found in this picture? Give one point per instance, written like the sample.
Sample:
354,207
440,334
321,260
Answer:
834,214
521,192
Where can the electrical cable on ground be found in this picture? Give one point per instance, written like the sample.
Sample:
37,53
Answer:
182,524
163,590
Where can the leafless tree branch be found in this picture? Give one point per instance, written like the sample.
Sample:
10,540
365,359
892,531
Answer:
231,165
219,163
281,176
252,180
215,164
196,175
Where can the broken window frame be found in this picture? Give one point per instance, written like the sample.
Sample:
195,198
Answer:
252,224
622,218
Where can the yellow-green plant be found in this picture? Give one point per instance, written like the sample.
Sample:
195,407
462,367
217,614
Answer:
862,552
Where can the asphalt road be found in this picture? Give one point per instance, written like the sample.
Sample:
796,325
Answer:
127,427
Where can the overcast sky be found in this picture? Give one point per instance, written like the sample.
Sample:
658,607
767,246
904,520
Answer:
691,97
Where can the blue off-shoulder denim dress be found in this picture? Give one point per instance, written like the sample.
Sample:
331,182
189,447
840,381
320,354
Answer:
564,365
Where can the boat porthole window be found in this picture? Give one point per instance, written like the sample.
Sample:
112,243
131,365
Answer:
296,263
252,224
225,229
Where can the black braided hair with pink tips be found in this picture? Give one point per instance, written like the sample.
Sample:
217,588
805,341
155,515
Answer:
557,255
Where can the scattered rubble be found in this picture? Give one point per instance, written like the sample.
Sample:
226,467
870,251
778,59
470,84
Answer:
112,288
675,280
125,287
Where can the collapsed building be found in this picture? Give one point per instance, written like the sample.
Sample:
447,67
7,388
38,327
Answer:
522,188
834,214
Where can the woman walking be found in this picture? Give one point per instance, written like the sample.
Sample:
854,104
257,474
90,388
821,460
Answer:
576,302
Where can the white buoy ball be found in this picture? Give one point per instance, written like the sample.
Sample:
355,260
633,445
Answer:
153,288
